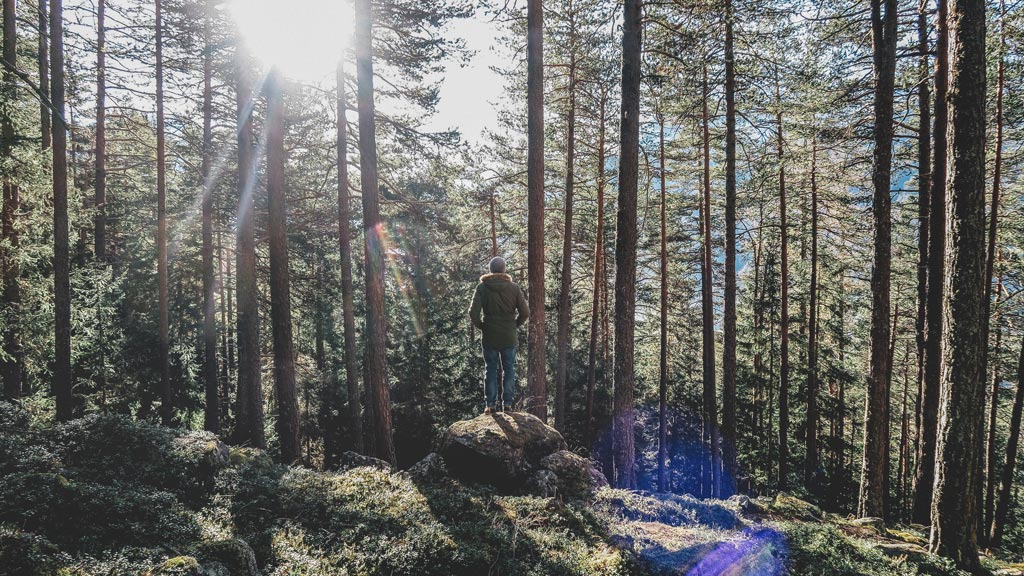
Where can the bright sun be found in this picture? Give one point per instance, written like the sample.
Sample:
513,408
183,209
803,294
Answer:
303,38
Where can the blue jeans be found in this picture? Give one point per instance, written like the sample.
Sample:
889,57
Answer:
507,358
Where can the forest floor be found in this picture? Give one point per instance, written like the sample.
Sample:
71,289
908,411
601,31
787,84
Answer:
106,495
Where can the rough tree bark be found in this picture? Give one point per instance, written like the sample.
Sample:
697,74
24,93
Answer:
10,305
954,506
347,294
813,454
43,65
536,399
1012,446
564,300
100,156
924,471
61,244
709,400
990,265
249,396
726,485
874,482
663,325
924,177
625,248
598,288
280,285
783,316
991,452
211,419
375,379
163,354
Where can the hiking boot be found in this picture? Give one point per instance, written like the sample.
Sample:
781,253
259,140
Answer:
488,410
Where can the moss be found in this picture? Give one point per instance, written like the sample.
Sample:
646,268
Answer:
179,566
28,554
240,456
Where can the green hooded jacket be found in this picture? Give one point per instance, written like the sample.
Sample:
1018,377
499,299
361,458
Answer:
504,309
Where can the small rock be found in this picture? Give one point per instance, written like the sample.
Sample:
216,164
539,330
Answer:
350,460
430,469
233,557
744,504
869,522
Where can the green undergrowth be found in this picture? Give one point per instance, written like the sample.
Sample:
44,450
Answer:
108,495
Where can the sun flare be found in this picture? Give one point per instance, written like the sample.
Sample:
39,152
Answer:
302,38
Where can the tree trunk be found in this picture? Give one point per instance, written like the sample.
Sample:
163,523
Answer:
813,455
166,393
61,246
536,399
345,252
725,486
875,471
375,364
924,177
990,254
11,365
1012,443
663,359
709,402
280,288
625,248
954,513
564,300
43,65
991,459
249,396
924,473
599,287
904,450
100,185
211,420
783,320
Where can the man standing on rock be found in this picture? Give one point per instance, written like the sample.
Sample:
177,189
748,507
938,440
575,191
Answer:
504,310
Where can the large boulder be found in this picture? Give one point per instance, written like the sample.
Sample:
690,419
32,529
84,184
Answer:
501,449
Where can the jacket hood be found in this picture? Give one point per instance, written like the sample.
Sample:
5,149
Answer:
498,277
497,282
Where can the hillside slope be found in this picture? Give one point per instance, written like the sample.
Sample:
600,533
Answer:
105,495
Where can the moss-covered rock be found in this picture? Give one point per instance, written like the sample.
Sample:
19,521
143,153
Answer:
244,455
432,468
792,507
499,449
350,460
233,557
575,476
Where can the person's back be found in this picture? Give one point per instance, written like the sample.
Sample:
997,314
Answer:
498,309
